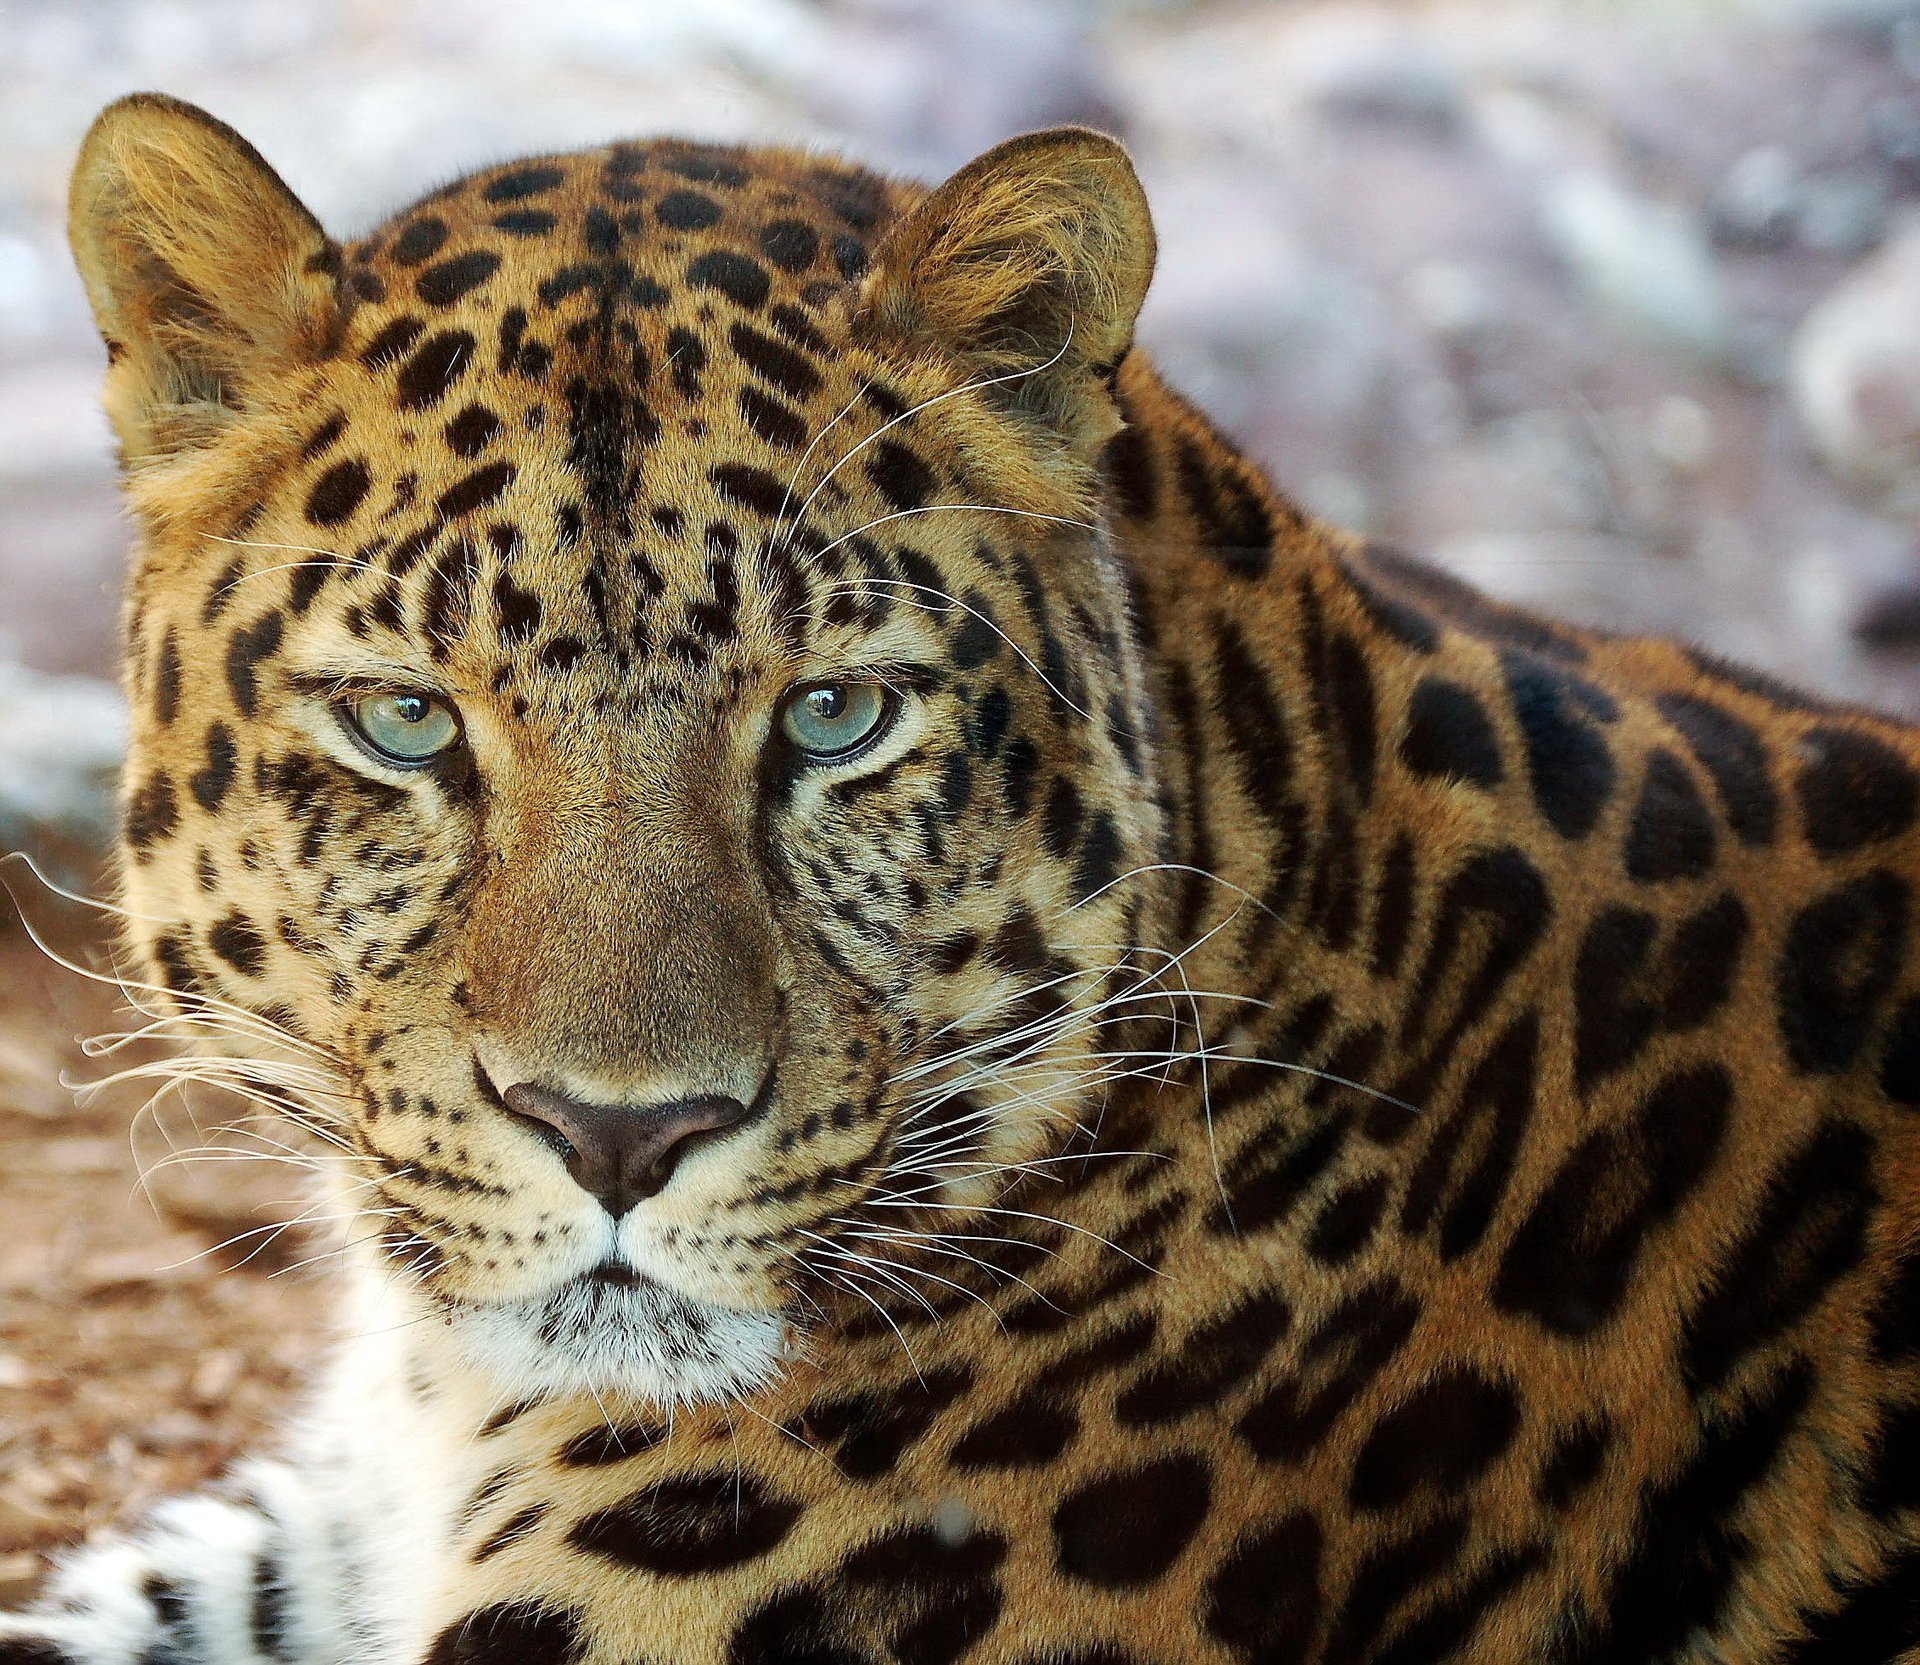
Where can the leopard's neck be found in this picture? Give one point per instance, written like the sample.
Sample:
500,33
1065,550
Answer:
1267,666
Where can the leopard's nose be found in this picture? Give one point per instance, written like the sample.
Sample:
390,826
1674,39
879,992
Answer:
623,1153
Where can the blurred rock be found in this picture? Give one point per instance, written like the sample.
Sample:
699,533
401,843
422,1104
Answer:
1874,19
773,36
1454,301
1856,373
1906,43
1895,126
1844,211
1396,76
30,1068
20,1569
1240,307
61,739
1756,204
925,85
1680,433
217,1163
1645,263
26,290
1890,618
51,425
177,1258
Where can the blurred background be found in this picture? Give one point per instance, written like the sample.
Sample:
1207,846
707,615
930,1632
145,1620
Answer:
1610,306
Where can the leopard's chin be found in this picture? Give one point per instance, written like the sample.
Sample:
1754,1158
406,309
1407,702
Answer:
622,1337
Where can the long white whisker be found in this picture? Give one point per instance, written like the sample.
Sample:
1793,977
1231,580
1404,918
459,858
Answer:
927,404
849,586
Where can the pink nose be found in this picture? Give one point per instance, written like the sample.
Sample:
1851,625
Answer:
623,1153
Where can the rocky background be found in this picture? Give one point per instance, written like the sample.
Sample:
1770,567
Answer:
1611,306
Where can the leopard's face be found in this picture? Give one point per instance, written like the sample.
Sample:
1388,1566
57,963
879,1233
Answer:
617,670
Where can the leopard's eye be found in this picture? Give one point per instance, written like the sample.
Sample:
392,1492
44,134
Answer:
404,728
830,721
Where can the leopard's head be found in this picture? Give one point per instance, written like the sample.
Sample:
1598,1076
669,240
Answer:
637,724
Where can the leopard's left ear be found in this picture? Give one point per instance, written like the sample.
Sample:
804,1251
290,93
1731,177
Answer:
208,277
1029,264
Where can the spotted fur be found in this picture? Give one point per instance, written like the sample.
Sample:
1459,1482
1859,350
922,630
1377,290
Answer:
1301,1114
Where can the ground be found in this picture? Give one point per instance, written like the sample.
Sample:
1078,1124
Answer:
132,1363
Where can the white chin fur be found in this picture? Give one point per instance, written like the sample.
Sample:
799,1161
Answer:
639,1341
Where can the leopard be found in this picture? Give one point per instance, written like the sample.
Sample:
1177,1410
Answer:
950,1032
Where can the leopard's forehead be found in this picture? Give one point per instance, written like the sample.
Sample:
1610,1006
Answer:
572,387
626,235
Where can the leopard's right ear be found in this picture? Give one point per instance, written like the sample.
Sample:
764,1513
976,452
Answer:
207,275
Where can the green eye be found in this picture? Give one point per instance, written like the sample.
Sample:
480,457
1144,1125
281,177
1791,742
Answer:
407,729
830,721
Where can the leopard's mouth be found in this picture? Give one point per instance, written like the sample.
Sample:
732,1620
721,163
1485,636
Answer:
616,1274
620,1333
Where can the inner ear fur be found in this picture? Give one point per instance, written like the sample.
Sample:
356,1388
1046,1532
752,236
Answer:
1029,264
207,276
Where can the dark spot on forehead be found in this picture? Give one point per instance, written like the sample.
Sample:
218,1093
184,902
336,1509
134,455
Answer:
601,232
775,362
473,430
686,210
441,361
791,245
338,492
419,240
706,166
392,341
791,322
523,182
850,255
519,610
446,282
478,488
751,488
778,424
245,652
904,480
525,222
739,278
323,437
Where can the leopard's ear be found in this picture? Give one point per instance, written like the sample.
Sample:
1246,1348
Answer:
1029,264
206,274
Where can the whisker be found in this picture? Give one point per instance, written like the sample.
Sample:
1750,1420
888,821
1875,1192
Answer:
849,586
927,404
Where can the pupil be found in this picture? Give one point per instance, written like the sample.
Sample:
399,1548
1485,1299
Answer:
828,703
410,708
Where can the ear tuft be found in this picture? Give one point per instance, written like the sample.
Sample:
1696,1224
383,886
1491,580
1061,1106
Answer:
206,274
1029,264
